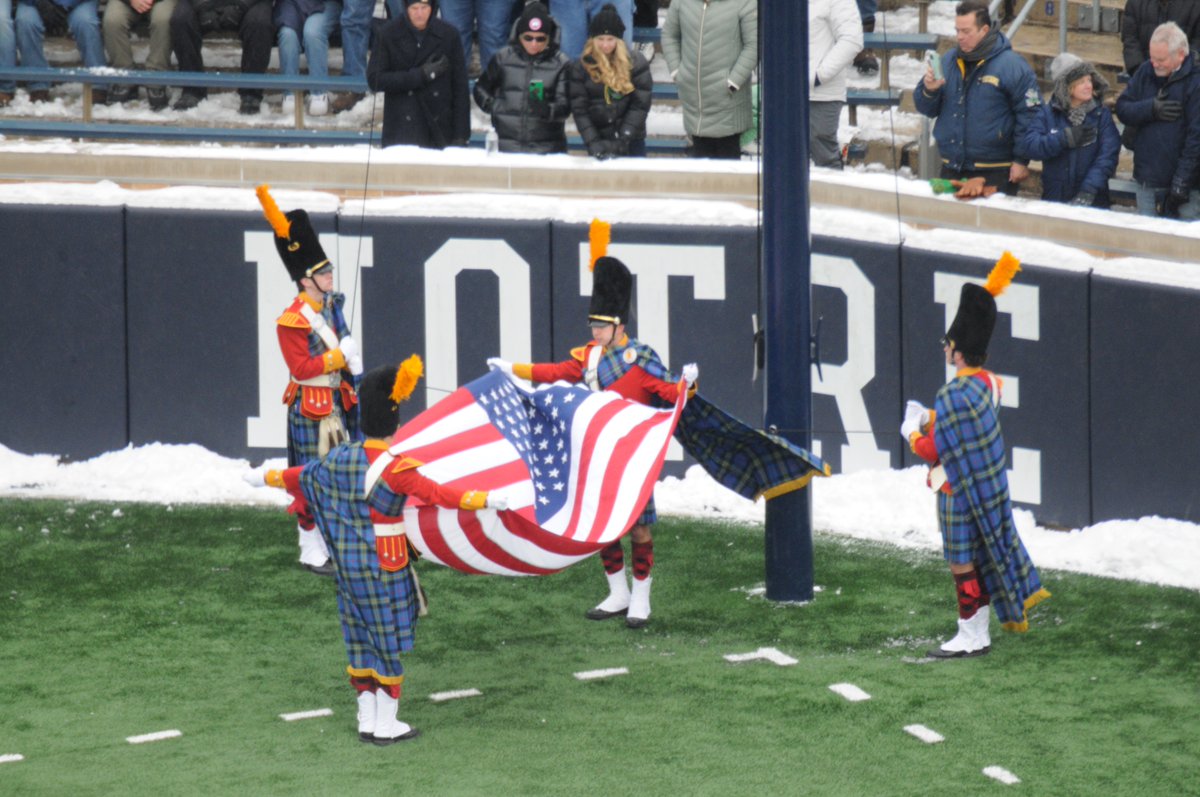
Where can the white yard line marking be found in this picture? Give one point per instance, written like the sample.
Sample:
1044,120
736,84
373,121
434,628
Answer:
589,675
1001,774
438,697
850,692
927,735
11,758
306,715
767,654
153,737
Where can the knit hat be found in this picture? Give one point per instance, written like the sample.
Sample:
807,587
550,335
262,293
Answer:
381,392
971,331
296,241
431,3
607,22
535,18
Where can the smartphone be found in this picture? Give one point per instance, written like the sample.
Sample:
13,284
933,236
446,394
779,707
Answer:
537,90
935,63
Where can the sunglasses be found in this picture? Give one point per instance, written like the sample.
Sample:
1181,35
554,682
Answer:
525,37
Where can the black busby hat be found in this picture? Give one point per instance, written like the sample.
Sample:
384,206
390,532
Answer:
381,392
972,328
607,22
298,244
612,284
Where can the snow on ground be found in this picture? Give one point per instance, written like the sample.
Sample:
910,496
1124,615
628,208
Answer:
891,506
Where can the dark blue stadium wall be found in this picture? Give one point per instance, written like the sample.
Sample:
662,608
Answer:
139,325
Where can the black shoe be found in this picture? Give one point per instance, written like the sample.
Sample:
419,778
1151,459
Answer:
345,101
157,97
382,742
187,101
119,94
250,105
636,622
601,614
867,65
938,653
39,95
327,569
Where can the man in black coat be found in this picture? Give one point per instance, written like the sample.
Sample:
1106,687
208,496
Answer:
1142,17
418,64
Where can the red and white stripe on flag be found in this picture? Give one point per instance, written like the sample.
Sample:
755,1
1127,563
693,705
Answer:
578,468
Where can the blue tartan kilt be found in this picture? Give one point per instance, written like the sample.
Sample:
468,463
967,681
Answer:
961,541
649,516
303,434
379,612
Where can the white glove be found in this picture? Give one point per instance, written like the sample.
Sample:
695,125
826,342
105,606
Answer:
691,372
355,365
503,365
497,499
255,477
914,417
349,347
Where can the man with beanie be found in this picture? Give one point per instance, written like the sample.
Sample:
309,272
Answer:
614,361
962,441
524,87
322,360
573,17
983,104
357,495
418,65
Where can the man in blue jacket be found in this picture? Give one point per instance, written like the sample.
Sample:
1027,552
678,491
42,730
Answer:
1161,106
983,104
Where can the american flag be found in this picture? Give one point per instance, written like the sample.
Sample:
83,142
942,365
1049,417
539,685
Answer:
578,467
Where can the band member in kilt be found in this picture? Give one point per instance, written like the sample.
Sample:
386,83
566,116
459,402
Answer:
321,356
356,495
614,361
962,441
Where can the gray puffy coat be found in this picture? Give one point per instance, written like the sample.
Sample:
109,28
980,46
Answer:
709,44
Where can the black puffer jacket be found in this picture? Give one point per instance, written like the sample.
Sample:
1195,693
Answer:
432,114
503,91
1143,16
607,115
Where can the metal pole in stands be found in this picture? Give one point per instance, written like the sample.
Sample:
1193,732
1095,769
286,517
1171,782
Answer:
783,95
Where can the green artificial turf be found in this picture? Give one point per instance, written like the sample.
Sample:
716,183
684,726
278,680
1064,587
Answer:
117,620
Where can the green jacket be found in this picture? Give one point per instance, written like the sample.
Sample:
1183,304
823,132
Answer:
709,44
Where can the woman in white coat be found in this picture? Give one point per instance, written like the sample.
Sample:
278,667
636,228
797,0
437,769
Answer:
834,38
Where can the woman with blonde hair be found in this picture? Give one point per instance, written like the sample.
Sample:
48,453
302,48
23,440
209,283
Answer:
610,90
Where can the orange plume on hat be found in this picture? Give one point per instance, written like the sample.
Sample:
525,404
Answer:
407,376
1002,274
279,222
599,234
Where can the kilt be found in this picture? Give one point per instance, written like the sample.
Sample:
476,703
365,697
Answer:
649,516
960,538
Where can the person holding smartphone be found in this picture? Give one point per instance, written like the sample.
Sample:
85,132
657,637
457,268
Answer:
524,86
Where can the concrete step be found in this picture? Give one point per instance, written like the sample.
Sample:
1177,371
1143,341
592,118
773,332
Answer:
1040,45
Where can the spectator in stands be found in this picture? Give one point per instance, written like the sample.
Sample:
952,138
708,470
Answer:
80,17
304,25
834,40
355,23
1161,111
119,17
418,63
488,20
711,48
524,87
610,90
8,52
983,104
645,15
573,17
1142,18
865,62
1074,136
250,18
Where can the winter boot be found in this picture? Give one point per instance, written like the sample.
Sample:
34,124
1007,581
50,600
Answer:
639,603
366,715
617,602
388,729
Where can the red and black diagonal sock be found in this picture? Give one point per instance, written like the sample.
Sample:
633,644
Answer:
643,559
613,558
363,684
391,689
970,594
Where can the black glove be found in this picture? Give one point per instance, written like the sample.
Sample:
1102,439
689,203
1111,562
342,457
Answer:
540,107
1174,201
1080,136
434,67
601,149
1084,199
1165,110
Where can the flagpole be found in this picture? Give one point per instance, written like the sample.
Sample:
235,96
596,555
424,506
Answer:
786,261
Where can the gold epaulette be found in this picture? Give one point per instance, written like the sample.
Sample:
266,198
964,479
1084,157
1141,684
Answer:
406,463
579,354
293,320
